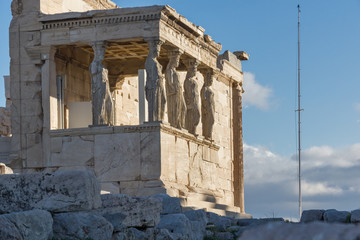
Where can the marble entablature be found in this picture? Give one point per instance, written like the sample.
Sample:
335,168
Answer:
140,96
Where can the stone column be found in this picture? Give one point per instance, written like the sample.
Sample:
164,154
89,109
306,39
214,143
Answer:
238,147
191,95
49,103
154,87
143,105
102,103
176,107
207,104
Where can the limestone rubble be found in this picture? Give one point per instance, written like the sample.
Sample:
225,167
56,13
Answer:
120,217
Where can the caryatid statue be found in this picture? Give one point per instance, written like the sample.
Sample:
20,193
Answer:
207,104
191,95
176,107
102,103
154,87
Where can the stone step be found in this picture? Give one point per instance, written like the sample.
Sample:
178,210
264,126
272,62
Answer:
221,209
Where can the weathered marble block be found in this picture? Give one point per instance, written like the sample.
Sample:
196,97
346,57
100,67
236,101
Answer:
81,226
35,224
55,192
140,212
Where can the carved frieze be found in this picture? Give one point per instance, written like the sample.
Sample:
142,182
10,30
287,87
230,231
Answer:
99,20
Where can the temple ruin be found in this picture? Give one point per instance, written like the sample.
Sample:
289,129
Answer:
140,96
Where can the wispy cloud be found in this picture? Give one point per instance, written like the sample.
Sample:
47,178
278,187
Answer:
329,180
319,188
357,107
255,94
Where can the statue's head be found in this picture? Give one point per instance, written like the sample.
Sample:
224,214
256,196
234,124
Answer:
99,50
154,48
209,77
16,7
192,65
174,58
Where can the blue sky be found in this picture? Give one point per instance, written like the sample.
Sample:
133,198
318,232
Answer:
267,30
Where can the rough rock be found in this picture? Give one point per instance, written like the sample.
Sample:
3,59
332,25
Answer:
246,224
224,236
220,222
55,192
333,216
310,231
81,226
312,215
124,235
139,235
197,215
209,234
34,224
233,229
170,205
256,222
198,230
159,234
5,122
140,212
5,169
355,216
177,224
116,219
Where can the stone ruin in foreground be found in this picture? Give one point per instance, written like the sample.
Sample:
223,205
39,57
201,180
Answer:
139,96
68,205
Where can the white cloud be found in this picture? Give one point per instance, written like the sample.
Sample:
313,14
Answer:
255,94
325,156
329,180
319,188
261,165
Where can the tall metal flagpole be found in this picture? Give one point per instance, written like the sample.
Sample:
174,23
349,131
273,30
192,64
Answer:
299,116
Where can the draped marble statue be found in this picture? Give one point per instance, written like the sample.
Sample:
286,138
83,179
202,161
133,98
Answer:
176,108
102,106
207,104
191,95
154,87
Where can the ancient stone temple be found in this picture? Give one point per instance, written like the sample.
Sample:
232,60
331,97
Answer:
140,96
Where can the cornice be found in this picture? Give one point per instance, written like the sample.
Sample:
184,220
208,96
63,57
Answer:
147,127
